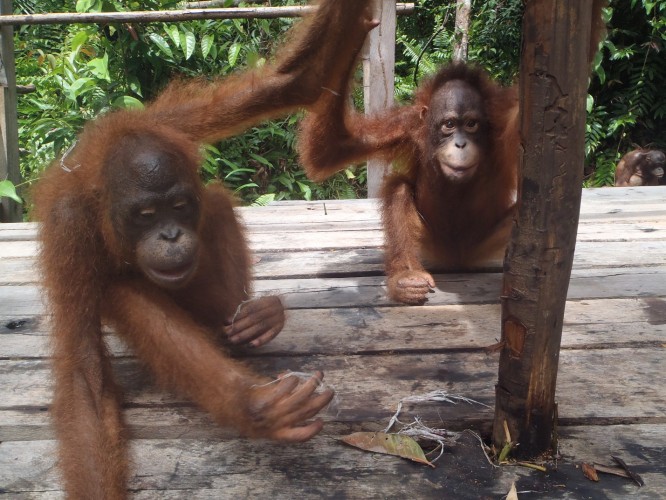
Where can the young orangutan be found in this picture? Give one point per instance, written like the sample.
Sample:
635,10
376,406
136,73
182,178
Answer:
641,167
451,199
131,238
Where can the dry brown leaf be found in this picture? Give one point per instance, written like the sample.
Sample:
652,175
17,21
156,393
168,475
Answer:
590,472
389,444
616,471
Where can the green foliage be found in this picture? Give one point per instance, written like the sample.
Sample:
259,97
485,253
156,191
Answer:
495,33
627,109
629,105
427,38
81,71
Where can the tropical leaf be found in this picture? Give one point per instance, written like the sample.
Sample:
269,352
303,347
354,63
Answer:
8,190
390,444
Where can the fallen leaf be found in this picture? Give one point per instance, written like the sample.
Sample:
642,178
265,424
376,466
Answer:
590,472
389,444
616,471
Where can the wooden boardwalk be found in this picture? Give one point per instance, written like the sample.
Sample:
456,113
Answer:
325,260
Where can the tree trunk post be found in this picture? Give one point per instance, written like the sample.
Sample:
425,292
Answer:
537,267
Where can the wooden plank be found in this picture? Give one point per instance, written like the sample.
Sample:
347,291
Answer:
588,323
623,198
639,445
368,389
373,355
293,239
467,288
20,301
17,271
13,249
595,254
624,230
649,225
319,234
597,205
599,213
311,211
595,209
368,291
362,213
277,223
18,232
18,265
316,240
324,468
642,447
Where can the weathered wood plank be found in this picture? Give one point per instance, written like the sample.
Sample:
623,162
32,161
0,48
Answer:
373,353
24,231
21,267
261,227
369,387
619,253
597,205
624,198
17,261
354,330
362,291
325,468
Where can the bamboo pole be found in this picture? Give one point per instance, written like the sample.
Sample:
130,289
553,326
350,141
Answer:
169,15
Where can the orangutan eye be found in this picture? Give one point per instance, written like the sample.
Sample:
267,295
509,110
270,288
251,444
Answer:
146,213
472,125
180,205
448,127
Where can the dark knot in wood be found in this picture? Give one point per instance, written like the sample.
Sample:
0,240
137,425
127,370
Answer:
514,336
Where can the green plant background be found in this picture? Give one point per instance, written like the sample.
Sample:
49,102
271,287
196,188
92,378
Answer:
80,71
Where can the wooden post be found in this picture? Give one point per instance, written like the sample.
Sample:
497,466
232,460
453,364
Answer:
553,83
378,78
10,211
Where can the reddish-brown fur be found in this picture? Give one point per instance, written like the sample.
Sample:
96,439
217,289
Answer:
91,276
426,215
